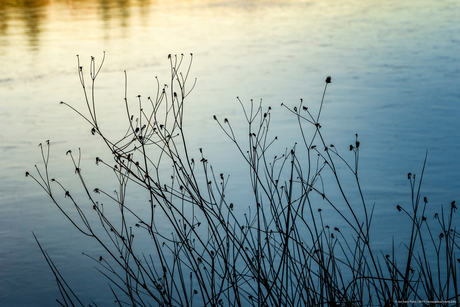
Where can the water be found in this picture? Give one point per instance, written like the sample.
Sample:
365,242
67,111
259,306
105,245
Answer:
395,72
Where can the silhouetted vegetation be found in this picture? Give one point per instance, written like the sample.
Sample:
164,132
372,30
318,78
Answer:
188,245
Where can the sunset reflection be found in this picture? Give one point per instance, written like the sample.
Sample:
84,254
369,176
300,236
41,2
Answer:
28,19
22,16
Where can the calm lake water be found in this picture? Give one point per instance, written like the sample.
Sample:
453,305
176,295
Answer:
395,68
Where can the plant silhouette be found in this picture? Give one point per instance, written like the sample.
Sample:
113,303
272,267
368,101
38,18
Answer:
188,245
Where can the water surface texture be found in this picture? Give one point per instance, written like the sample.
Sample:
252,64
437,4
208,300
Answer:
395,68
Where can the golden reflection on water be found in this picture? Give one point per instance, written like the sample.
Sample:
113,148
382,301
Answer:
27,13
29,18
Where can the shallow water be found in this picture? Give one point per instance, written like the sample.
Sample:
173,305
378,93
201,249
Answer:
395,76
